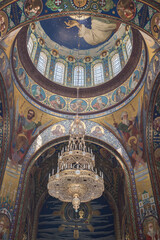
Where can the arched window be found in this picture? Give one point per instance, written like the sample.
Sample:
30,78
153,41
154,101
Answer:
128,47
30,46
59,72
98,73
42,62
116,65
79,76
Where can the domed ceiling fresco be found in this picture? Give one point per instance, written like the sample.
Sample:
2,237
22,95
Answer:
77,43
89,33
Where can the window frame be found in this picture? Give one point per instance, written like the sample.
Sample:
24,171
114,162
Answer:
40,67
99,75
128,50
55,72
81,77
115,63
30,46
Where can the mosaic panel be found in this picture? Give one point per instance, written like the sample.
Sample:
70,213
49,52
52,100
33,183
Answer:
63,130
85,105
136,12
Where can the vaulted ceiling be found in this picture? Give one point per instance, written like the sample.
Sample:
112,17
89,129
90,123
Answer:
119,108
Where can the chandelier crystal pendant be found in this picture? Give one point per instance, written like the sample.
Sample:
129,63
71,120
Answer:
76,180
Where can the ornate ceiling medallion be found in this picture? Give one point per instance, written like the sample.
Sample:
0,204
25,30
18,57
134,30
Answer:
80,4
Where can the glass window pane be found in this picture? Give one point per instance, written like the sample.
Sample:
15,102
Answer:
59,72
116,65
98,74
128,47
30,46
42,62
79,76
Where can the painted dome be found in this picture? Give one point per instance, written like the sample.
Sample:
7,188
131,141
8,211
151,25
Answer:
88,51
49,66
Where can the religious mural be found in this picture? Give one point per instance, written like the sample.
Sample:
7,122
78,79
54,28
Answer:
119,94
130,131
3,61
38,93
78,105
151,228
99,103
126,9
89,32
57,102
156,133
6,99
155,26
58,130
27,126
3,24
5,197
127,122
134,79
100,31
25,130
33,8
97,131
152,109
22,76
83,5
65,223
4,226
63,104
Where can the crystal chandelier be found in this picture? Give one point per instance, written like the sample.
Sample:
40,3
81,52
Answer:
76,179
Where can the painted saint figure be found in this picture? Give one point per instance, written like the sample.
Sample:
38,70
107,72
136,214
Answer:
130,133
151,234
22,78
78,105
3,233
99,104
37,93
57,103
156,26
2,25
101,30
156,64
134,81
27,125
23,136
58,130
126,9
119,95
32,8
97,131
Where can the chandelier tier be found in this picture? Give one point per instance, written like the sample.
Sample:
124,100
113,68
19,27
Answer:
76,179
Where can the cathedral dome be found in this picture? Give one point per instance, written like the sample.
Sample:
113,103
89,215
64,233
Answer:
103,58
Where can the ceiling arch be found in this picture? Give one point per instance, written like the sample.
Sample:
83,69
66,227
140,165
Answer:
144,19
105,137
140,18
